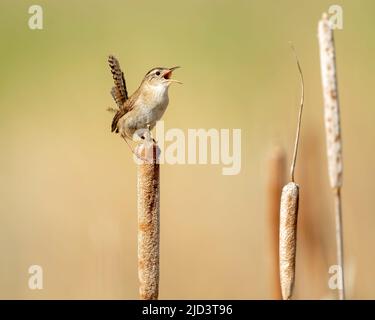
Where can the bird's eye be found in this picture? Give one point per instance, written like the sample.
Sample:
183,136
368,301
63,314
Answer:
158,73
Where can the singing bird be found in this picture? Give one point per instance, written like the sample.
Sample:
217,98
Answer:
145,106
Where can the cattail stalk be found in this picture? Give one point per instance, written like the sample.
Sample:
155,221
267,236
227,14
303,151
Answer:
333,131
289,213
148,191
276,180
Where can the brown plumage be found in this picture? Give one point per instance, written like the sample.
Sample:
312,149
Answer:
119,91
124,109
145,106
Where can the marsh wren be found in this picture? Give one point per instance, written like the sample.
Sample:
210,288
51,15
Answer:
145,106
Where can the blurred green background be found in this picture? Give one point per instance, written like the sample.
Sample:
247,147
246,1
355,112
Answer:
68,186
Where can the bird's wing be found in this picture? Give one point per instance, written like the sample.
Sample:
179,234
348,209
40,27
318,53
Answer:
119,92
119,114
126,107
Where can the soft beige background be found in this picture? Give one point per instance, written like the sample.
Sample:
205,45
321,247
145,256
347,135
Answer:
67,191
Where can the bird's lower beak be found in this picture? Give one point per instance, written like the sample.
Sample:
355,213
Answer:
168,74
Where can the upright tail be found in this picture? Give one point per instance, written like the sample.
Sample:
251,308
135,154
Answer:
118,92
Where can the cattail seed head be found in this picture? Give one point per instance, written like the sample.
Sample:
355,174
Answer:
288,237
276,181
333,130
331,102
148,220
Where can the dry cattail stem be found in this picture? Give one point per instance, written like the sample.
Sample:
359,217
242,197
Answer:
276,180
296,142
148,220
289,213
333,130
288,237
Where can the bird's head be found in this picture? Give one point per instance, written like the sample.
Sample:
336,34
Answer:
160,76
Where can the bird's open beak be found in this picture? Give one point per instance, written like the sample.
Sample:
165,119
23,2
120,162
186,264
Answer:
168,74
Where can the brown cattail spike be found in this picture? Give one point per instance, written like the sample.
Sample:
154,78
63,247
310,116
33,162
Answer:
331,102
333,130
288,237
289,213
148,220
275,183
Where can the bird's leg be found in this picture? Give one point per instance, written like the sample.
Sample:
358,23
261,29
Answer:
141,133
145,134
132,150
150,134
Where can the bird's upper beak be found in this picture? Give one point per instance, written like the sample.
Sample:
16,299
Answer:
168,74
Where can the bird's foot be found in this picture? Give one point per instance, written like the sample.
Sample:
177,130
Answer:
147,135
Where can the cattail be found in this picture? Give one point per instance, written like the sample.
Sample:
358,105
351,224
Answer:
276,180
148,220
331,102
333,130
288,237
288,215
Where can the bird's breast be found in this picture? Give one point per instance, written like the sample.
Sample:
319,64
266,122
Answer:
156,101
